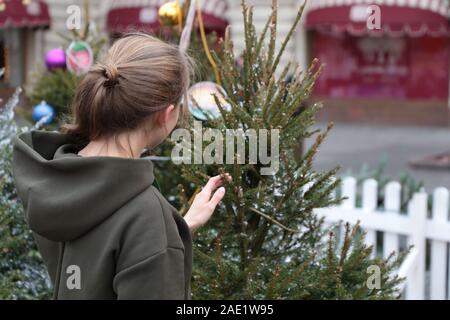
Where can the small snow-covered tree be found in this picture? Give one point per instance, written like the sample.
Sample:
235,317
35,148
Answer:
22,272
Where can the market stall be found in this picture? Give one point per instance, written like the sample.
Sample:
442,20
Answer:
404,59
21,24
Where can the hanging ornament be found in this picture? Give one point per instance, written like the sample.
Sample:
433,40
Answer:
202,104
185,38
55,59
170,13
42,110
2,5
79,57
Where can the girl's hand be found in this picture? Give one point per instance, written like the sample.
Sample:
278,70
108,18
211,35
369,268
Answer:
204,205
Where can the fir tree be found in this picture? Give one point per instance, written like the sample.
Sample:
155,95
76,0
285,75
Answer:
22,272
265,240
57,87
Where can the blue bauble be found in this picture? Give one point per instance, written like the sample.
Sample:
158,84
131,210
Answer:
41,110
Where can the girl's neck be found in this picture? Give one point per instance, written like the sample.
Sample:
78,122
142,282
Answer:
122,146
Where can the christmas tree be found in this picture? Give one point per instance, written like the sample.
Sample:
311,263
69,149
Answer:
57,85
22,272
265,241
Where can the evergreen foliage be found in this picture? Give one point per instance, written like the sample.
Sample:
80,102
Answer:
265,240
22,272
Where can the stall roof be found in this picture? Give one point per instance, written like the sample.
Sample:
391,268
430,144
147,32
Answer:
143,15
398,17
24,14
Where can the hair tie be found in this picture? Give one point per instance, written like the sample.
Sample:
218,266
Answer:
111,74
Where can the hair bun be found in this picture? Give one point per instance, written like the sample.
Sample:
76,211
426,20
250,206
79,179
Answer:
111,74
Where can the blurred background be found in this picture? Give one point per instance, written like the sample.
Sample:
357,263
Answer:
386,90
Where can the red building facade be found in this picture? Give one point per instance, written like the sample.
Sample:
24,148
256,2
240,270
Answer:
396,72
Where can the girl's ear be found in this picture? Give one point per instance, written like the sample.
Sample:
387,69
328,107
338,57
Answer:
163,116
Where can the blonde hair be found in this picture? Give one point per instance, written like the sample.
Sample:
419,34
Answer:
138,76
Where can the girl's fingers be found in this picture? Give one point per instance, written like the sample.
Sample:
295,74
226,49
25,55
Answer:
217,197
212,184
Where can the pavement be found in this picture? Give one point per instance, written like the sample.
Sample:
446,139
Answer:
352,146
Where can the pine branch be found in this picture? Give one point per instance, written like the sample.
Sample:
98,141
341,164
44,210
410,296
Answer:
274,221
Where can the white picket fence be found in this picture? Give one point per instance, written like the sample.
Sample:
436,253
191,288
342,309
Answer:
417,225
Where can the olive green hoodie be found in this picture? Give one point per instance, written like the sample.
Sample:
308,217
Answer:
104,231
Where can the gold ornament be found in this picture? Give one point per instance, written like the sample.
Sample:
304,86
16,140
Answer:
170,14
2,6
26,2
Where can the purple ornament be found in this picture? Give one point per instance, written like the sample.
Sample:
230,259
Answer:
55,59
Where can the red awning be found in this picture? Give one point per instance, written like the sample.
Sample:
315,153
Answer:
396,20
124,16
23,14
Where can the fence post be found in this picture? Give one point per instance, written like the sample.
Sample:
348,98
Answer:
349,192
369,204
439,248
417,210
392,204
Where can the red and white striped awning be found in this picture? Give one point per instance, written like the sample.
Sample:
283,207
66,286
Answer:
414,18
24,14
142,15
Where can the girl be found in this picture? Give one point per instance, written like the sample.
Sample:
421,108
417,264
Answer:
103,229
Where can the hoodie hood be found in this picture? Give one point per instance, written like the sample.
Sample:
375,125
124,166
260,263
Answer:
66,195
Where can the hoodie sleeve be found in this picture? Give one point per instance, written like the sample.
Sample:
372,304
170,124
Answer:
158,277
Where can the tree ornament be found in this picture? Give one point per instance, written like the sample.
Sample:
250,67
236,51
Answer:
188,25
202,104
43,110
55,59
170,13
79,57
2,6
